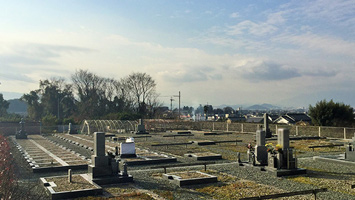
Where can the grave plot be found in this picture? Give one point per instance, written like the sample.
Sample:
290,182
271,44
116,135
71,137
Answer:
129,191
311,147
43,155
183,145
190,178
59,187
204,156
334,176
217,133
83,141
143,156
232,187
203,142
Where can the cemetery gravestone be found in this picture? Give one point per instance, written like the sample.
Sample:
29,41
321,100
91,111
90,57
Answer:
100,162
128,148
261,155
266,126
282,160
350,151
71,129
104,170
22,133
141,127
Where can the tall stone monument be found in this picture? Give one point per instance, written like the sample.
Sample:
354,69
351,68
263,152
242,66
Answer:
22,133
141,127
282,160
104,170
266,126
260,149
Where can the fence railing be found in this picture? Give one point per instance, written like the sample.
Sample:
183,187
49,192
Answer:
321,131
11,130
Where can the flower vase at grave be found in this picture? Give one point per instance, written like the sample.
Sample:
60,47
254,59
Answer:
272,160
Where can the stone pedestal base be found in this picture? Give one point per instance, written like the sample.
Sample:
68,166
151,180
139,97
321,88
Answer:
349,154
142,132
105,180
128,156
21,136
96,172
286,172
100,161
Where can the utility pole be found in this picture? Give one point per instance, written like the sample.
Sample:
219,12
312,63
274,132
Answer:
179,102
171,103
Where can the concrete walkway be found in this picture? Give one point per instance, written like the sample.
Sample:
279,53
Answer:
62,162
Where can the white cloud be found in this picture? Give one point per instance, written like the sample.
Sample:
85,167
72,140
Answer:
276,18
249,27
234,15
326,44
340,11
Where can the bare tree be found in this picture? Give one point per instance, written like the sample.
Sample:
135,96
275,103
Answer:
142,88
90,90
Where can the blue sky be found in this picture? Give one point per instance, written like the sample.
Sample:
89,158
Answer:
287,53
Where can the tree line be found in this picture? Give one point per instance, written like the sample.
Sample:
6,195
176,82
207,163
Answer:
90,96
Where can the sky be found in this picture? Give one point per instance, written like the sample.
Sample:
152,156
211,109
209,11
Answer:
286,53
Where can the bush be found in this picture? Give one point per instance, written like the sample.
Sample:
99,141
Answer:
49,120
331,114
7,171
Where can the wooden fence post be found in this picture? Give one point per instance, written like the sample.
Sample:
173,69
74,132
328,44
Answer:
319,131
242,128
344,133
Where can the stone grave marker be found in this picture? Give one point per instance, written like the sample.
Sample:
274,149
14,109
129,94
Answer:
71,129
69,175
266,126
350,150
281,160
261,155
104,170
283,138
22,133
141,128
100,162
128,148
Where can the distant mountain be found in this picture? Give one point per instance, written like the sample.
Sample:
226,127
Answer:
256,107
17,106
269,106
235,107
262,107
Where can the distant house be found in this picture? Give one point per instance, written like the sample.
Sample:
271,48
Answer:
273,117
236,119
255,120
294,118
